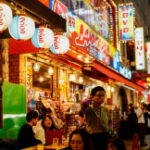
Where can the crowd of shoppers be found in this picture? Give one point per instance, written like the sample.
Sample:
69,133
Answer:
94,132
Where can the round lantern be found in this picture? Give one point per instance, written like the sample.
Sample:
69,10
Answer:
61,44
43,37
5,16
22,27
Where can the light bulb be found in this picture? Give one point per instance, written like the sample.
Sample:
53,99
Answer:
72,77
50,71
41,79
81,80
36,67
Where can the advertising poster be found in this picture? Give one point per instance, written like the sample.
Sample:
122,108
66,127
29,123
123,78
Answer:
139,49
148,57
81,35
126,21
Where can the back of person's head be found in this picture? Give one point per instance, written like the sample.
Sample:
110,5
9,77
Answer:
97,88
87,141
32,114
116,143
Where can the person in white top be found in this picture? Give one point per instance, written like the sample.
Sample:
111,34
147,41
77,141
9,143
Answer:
142,124
45,124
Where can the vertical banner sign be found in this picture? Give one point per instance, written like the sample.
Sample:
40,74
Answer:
139,49
148,57
126,21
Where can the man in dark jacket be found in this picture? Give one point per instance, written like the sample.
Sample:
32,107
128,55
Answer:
26,134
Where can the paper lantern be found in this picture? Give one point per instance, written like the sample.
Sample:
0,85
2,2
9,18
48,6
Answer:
5,16
61,44
43,37
22,27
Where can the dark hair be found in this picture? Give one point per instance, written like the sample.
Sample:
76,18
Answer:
98,88
43,119
81,114
88,144
32,114
118,143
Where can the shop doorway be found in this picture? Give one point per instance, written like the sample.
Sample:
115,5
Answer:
123,101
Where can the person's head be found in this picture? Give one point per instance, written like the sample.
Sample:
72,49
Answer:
82,118
98,95
47,122
80,140
116,144
32,117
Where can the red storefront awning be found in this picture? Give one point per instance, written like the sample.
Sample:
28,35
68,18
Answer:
116,76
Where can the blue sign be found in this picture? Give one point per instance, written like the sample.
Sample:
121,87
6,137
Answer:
115,63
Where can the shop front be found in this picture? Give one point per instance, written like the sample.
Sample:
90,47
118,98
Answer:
57,83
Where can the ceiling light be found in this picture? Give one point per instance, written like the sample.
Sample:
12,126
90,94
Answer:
36,67
50,71
81,80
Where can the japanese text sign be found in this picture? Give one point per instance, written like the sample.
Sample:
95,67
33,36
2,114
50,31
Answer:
139,49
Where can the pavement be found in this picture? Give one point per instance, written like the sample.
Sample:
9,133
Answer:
129,144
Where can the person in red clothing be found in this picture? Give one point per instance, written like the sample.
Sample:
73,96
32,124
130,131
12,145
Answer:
26,135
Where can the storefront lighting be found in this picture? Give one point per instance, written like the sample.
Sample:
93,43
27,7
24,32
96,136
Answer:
112,89
5,16
41,79
61,44
80,79
22,27
36,67
50,71
108,87
87,60
43,37
72,77
80,57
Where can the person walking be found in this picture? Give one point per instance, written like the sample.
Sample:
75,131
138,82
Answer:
141,123
97,118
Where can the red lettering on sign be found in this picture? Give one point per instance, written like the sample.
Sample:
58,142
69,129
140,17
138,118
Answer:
125,22
22,25
126,29
56,43
1,16
125,15
41,35
79,40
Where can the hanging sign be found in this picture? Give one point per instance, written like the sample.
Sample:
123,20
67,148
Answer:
148,57
5,16
126,21
139,49
22,27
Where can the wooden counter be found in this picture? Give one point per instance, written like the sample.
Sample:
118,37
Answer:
48,147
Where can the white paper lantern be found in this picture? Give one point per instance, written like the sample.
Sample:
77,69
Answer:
5,16
61,44
22,27
43,37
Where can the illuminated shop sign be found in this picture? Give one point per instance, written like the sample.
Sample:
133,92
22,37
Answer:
82,36
148,57
126,21
115,63
125,72
139,49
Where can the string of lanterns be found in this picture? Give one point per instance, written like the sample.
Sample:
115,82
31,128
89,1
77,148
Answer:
22,27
